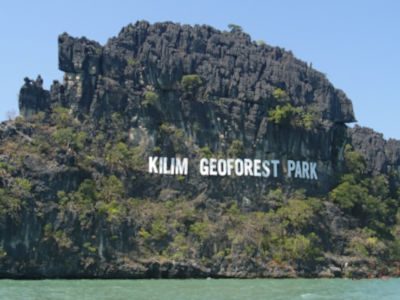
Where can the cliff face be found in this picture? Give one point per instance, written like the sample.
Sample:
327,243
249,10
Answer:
78,200
229,64
381,156
237,83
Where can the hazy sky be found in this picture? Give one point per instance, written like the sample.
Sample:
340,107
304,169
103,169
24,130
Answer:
356,43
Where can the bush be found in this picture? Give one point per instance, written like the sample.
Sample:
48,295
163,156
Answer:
22,186
366,198
9,205
48,230
294,116
296,214
275,197
235,28
112,189
38,118
62,239
62,117
279,94
395,244
233,210
205,152
66,137
158,230
116,154
299,248
284,114
121,157
191,82
113,210
261,43
364,244
3,253
150,99
355,162
175,136
86,193
348,194
308,121
89,247
131,62
179,248
117,121
157,150
295,247
200,230
6,167
236,149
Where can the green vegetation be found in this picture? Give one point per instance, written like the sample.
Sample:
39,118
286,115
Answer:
279,94
104,197
150,99
22,187
200,230
287,114
117,155
236,149
365,197
13,196
89,247
131,61
290,115
120,157
105,202
62,117
67,138
62,239
205,152
284,114
158,230
355,162
235,28
190,83
261,43
9,204
3,253
173,135
364,243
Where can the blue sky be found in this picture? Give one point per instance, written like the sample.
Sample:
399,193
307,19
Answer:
356,43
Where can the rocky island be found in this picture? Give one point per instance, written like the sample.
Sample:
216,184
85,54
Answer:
77,199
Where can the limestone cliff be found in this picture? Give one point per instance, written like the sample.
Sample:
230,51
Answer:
77,200
239,82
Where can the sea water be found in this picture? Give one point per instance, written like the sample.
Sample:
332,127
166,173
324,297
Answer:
207,289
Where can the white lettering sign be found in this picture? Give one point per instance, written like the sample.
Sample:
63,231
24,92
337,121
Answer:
166,166
234,167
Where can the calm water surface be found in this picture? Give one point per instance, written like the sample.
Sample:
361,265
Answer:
201,289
